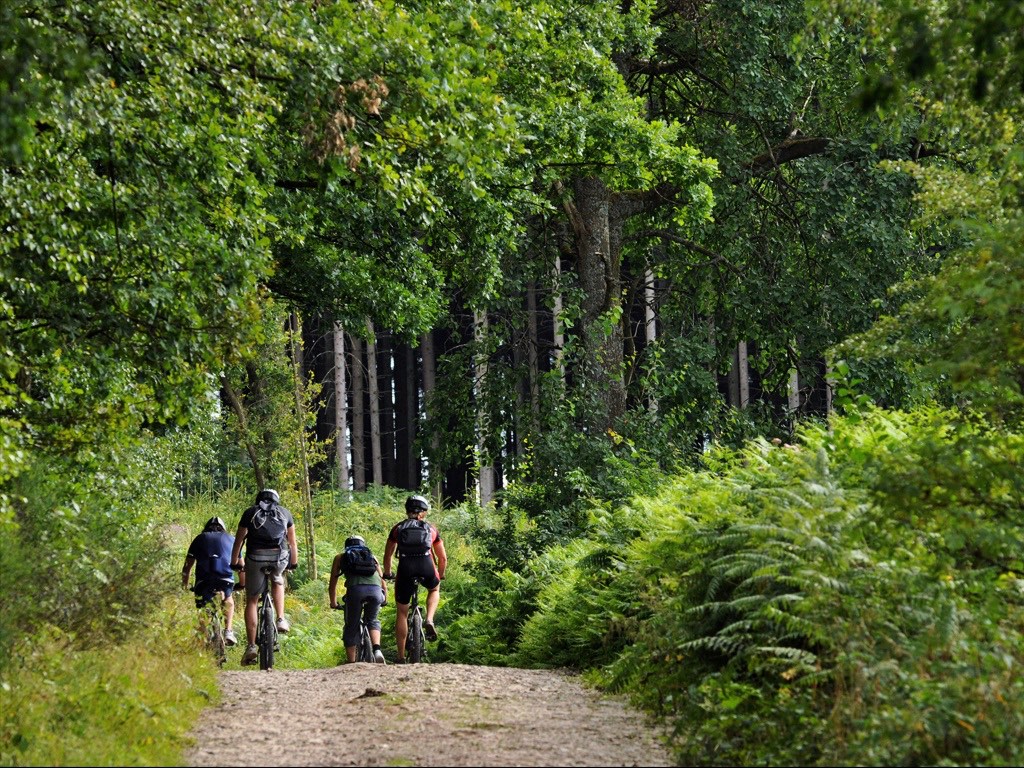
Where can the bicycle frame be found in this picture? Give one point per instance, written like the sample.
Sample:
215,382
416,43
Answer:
266,622
212,625
415,640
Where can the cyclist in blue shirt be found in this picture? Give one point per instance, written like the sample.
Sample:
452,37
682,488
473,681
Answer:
210,553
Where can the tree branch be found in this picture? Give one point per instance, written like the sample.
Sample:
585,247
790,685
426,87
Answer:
787,151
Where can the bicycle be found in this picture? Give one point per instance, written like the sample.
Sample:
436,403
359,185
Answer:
415,640
212,625
266,621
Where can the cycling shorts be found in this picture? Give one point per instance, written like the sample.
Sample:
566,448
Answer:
408,569
207,589
362,602
255,560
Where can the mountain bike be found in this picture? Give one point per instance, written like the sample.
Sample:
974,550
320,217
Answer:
211,619
266,621
415,640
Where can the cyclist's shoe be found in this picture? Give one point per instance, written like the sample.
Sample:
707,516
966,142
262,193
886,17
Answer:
429,631
283,626
378,656
250,655
229,637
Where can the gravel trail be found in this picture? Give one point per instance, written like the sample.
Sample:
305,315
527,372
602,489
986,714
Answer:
423,714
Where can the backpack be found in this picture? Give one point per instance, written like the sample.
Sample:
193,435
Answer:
414,537
358,560
268,523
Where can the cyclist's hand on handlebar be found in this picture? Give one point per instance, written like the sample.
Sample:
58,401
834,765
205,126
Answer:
389,577
237,565
292,566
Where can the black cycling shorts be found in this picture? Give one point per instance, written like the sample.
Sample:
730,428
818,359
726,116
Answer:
408,569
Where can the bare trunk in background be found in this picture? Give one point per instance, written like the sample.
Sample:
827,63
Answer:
373,392
358,415
429,354
341,410
300,415
486,476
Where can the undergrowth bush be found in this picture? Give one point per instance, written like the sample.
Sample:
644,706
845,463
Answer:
850,599
131,703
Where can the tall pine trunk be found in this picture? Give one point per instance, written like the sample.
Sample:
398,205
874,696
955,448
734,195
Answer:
373,391
300,416
486,474
428,352
358,415
341,410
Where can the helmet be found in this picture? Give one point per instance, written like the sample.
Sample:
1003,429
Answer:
268,494
355,541
214,524
416,504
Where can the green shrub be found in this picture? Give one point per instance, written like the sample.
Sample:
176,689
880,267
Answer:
131,703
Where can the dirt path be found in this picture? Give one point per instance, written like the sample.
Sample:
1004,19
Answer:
425,714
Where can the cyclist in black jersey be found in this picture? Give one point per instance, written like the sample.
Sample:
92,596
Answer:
420,554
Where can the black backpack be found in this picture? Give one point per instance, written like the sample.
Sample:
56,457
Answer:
414,537
269,525
358,560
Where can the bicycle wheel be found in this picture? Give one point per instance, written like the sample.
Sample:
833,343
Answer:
365,644
215,637
267,632
414,643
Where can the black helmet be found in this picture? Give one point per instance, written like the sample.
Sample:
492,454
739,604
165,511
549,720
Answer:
355,541
268,494
214,524
416,504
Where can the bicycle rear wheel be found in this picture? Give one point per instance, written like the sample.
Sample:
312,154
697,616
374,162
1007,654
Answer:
365,644
215,630
414,643
266,633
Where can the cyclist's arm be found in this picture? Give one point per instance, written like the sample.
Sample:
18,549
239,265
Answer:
236,551
441,557
189,562
293,548
389,552
332,586
383,583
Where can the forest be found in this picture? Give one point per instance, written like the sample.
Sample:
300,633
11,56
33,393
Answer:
700,322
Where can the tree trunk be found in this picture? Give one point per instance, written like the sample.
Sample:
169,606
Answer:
794,391
743,367
532,357
598,239
386,391
739,377
358,415
373,390
429,355
556,319
486,475
341,410
300,415
406,392
650,325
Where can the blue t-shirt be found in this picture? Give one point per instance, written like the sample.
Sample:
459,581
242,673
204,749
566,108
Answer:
212,553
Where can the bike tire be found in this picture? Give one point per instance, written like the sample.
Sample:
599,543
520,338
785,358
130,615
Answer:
414,643
267,632
216,638
365,645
